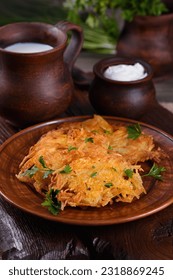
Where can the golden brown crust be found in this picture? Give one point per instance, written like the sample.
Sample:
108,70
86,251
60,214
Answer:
98,155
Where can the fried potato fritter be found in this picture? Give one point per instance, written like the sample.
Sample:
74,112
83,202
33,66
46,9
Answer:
91,163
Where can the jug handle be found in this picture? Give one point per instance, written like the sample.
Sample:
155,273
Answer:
75,45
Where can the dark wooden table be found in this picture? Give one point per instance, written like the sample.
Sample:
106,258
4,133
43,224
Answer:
24,236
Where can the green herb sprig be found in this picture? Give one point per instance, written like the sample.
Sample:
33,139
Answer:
34,169
94,174
108,185
67,169
110,148
155,172
134,131
131,8
30,172
71,148
45,169
100,23
89,139
51,202
107,132
129,173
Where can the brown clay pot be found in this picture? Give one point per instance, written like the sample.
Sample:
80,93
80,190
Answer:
122,99
35,87
149,38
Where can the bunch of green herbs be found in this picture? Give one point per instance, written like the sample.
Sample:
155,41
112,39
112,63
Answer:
132,8
99,19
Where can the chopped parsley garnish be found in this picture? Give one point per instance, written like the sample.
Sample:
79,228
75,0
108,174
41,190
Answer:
108,185
51,202
129,173
107,132
30,172
41,160
47,173
47,170
110,147
156,171
34,169
94,174
71,148
134,131
89,139
67,169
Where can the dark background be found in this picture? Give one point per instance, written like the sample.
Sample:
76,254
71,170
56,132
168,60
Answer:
31,10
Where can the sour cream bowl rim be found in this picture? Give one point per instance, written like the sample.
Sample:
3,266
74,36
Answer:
100,67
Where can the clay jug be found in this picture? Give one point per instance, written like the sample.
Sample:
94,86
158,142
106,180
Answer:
149,38
36,87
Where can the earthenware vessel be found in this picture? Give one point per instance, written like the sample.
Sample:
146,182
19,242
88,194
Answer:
130,99
151,39
36,87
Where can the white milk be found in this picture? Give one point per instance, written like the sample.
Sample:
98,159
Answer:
125,72
28,47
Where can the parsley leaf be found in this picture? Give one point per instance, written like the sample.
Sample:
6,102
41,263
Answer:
30,172
47,170
89,139
51,202
94,174
155,172
67,169
47,173
110,147
107,132
108,185
71,148
134,131
129,173
41,160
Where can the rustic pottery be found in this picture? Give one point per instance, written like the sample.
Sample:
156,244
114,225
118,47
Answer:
149,38
118,98
35,87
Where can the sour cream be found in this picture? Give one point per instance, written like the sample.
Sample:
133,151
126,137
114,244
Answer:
125,72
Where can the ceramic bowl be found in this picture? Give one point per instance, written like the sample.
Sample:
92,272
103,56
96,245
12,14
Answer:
130,99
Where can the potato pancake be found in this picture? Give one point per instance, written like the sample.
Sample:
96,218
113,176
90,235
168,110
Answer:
90,163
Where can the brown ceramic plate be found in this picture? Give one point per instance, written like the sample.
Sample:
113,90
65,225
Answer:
159,193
